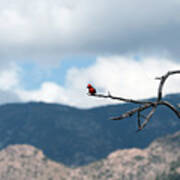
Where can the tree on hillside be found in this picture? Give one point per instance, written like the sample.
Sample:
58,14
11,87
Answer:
143,105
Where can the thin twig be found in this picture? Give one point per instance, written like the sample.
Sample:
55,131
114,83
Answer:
148,117
139,120
121,99
162,81
171,107
132,112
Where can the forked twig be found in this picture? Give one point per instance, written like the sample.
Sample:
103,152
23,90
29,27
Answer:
162,81
144,104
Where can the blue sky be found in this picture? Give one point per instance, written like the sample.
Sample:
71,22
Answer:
33,74
50,50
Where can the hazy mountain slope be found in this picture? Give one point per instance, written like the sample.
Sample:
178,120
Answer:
24,162
159,161
77,137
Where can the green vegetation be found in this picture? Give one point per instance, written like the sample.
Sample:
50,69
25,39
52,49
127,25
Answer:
139,158
172,174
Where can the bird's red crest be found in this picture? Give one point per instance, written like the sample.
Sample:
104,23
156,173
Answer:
89,86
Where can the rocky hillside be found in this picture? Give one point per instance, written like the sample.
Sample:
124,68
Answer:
77,137
161,160
24,162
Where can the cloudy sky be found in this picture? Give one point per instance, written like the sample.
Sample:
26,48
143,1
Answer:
51,49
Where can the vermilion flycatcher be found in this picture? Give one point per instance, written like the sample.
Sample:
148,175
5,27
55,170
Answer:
92,91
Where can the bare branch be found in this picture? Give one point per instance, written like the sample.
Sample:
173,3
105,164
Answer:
121,99
171,107
144,104
139,115
132,112
147,118
162,81
139,120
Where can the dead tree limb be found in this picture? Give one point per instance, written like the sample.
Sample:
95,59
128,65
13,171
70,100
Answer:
162,81
121,99
147,119
144,104
132,112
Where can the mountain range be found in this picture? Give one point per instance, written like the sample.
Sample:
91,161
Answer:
76,137
159,161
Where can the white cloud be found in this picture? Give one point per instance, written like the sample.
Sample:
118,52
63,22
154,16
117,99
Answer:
122,76
9,77
9,81
46,30
49,92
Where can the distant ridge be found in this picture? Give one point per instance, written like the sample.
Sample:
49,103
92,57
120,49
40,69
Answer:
77,137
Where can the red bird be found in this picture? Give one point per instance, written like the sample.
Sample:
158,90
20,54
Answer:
92,91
